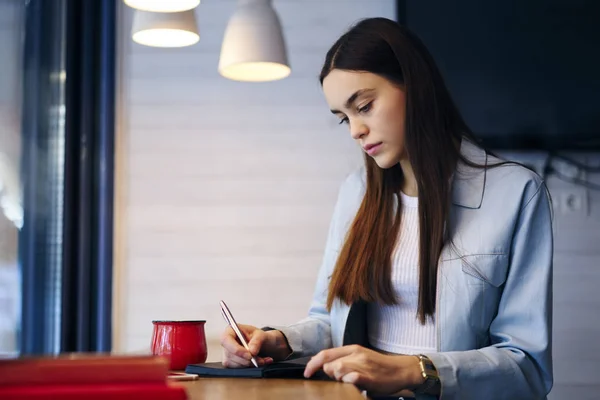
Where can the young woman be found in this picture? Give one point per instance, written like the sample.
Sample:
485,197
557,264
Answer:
437,271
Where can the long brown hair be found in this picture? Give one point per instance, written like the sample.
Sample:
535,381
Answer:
433,132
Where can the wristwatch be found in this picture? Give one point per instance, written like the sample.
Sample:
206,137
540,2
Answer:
430,374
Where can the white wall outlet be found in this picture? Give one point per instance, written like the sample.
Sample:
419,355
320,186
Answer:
574,202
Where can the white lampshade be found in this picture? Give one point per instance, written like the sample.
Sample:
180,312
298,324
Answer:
163,5
175,29
253,49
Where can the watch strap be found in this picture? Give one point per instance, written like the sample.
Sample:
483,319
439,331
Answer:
429,374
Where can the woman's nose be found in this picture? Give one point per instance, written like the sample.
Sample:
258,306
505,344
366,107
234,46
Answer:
358,130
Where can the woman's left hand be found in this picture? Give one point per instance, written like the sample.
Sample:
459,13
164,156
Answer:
375,372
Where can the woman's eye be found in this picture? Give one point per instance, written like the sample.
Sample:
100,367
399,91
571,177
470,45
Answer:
365,108
344,120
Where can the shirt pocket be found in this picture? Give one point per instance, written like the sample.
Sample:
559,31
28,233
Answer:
484,276
490,268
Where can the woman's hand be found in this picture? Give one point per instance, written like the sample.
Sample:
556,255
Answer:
264,346
375,372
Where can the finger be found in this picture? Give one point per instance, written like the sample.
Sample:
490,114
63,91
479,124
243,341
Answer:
230,361
227,363
335,370
256,340
342,366
232,346
262,361
352,377
326,356
247,330
238,360
240,363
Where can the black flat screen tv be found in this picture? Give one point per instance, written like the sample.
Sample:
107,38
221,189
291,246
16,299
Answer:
524,73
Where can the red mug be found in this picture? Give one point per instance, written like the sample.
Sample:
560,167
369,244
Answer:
184,342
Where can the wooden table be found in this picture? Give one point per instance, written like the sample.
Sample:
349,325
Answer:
244,388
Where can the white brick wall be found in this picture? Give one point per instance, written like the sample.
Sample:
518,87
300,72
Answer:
576,299
225,190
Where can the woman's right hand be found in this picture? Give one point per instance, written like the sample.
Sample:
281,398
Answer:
264,346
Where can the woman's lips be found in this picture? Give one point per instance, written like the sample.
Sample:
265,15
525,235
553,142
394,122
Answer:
372,149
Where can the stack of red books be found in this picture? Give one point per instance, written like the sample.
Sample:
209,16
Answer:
88,377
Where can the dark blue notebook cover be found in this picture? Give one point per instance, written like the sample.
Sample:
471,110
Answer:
283,369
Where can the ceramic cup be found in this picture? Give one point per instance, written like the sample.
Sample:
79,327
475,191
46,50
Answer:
184,342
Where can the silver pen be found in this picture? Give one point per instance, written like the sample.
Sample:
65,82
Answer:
231,321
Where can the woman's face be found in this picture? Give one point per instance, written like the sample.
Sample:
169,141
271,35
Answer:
374,110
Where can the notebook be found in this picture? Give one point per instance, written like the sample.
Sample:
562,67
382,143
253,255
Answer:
283,369
83,368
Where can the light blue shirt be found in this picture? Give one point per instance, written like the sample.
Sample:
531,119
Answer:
494,298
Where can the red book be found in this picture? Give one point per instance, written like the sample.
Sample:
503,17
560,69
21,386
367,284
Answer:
122,391
83,368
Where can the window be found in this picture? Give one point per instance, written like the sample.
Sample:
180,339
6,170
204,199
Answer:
12,18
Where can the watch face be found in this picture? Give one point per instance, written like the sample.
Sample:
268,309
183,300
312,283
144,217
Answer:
427,368
429,373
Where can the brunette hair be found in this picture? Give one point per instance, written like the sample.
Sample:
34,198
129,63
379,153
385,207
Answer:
434,129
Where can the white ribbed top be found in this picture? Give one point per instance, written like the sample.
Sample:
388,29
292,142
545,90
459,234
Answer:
395,328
